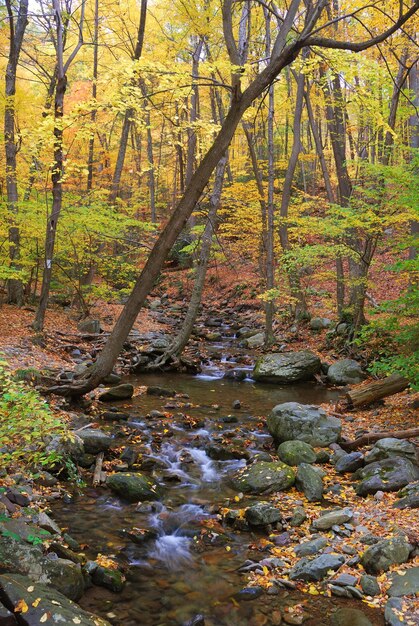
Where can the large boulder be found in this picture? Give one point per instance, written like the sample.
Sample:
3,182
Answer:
133,486
309,481
409,497
120,392
404,583
68,446
42,603
262,514
289,367
318,323
264,477
95,440
296,452
389,448
316,569
383,554
256,341
292,420
345,372
386,475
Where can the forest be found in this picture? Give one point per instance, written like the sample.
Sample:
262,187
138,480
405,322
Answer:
208,312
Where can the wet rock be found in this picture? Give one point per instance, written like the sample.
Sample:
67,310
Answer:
349,463
370,586
114,415
386,475
95,440
345,372
309,482
237,375
406,584
309,548
262,514
161,392
141,536
109,578
333,518
223,453
296,452
263,477
129,456
133,486
89,326
248,593
393,613
315,569
310,424
381,556
350,617
59,609
120,392
287,367
390,448
318,323
112,379
299,516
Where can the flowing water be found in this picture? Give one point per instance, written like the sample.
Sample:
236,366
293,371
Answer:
188,566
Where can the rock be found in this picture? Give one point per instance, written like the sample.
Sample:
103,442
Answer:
309,548
236,404
309,482
256,341
409,497
389,448
370,586
262,514
350,617
345,372
6,617
18,496
349,462
114,415
393,613
333,518
386,475
322,456
299,516
133,487
95,440
315,569
342,329
296,452
224,453
287,367
43,600
318,323
307,423
67,446
89,326
237,375
345,580
406,584
264,476
248,593
161,391
120,392
112,379
109,578
45,522
382,555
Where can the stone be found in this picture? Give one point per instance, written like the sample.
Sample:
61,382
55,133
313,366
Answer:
41,600
235,374
307,423
67,446
262,514
409,497
299,516
389,448
309,548
406,584
248,593
133,486
370,586
112,379
318,323
349,463
45,522
109,578
89,326
382,555
345,580
225,453
322,456
120,392
350,617
18,496
345,372
309,482
386,475
393,612
263,477
6,617
315,569
160,391
332,518
296,452
256,341
289,367
95,440
112,416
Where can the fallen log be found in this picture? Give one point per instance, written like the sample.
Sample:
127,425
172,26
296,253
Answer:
98,474
367,394
373,437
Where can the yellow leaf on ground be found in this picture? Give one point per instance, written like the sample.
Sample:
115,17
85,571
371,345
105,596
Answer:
21,607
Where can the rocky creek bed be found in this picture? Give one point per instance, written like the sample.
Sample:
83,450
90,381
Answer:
218,509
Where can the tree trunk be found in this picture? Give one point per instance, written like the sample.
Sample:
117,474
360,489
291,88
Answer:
366,440
94,94
366,394
17,27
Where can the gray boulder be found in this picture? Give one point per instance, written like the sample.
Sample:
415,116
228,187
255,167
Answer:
289,367
67,446
393,613
369,585
409,497
41,600
89,326
309,548
333,518
263,477
406,584
349,463
120,392
296,452
304,422
95,440
309,481
382,555
350,617
256,341
390,448
317,568
386,475
345,372
133,487
262,514
318,323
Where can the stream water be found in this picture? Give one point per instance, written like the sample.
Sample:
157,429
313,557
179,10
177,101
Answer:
174,577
